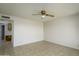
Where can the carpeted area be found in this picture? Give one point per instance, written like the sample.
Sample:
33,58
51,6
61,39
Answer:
42,48
45,48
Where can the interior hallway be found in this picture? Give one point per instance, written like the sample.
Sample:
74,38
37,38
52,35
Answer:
42,48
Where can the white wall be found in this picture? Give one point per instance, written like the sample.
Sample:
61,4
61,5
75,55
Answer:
63,31
27,31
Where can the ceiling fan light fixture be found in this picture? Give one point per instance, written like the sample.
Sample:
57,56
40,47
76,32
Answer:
43,16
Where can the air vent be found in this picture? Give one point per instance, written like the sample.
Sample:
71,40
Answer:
6,17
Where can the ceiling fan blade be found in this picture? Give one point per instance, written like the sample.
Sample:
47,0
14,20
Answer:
36,14
50,15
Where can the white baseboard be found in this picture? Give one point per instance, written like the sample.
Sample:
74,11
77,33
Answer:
63,44
27,43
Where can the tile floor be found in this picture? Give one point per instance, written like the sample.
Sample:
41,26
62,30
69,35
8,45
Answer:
42,48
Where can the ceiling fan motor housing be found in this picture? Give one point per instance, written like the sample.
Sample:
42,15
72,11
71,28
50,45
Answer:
43,12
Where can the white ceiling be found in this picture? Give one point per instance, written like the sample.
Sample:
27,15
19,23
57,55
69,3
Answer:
25,10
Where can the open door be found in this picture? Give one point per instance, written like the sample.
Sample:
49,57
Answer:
2,33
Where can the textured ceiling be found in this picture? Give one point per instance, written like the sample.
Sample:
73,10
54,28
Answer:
26,10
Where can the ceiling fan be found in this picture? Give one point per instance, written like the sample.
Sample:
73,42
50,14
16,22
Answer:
43,13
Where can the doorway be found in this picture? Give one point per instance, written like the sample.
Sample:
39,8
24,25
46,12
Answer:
2,33
6,37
